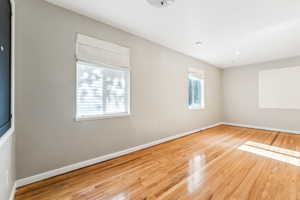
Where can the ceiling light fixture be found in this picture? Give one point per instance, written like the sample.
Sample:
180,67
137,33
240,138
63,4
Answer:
198,43
160,3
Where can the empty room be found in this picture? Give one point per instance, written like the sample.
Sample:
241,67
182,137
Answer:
149,100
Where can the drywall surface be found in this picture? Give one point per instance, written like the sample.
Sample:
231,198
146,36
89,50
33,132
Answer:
241,98
278,88
48,137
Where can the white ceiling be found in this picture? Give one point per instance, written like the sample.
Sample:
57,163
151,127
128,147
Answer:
261,30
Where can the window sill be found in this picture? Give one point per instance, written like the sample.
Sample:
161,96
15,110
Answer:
100,117
196,108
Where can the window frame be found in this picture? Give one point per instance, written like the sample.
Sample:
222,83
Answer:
79,118
200,106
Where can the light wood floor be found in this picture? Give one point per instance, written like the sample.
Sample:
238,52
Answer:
225,162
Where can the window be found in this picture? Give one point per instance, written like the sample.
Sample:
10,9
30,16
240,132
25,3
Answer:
102,91
196,91
103,88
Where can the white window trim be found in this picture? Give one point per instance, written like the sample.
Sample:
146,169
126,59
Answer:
202,105
99,117
105,116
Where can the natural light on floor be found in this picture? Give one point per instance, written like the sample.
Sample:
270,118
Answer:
196,173
121,196
276,153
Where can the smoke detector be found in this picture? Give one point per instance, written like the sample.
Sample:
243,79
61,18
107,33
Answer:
161,3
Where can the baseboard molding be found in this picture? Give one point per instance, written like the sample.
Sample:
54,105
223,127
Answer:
69,168
13,192
261,127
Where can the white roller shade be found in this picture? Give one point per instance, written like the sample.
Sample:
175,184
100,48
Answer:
97,51
197,73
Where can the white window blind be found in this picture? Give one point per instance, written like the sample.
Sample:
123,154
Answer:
101,91
103,78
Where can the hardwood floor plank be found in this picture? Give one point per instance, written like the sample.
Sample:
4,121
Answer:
222,170
224,162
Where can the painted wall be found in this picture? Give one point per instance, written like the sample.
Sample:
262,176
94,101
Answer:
47,135
7,166
241,100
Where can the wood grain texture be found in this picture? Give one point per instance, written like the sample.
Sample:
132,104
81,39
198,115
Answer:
224,162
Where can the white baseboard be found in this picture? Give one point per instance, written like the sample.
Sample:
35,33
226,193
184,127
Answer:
52,173
261,127
13,192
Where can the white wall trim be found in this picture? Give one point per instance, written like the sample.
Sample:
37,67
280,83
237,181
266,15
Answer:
5,138
13,192
261,127
55,172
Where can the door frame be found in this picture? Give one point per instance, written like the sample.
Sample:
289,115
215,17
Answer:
10,131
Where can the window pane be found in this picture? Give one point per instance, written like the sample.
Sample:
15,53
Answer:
115,93
190,92
101,90
197,92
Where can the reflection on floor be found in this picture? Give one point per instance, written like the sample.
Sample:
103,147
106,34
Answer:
276,153
196,174
225,162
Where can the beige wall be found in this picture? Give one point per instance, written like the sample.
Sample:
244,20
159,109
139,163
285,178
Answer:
241,98
47,135
7,166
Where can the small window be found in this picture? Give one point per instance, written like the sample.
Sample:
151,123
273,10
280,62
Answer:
102,91
196,92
